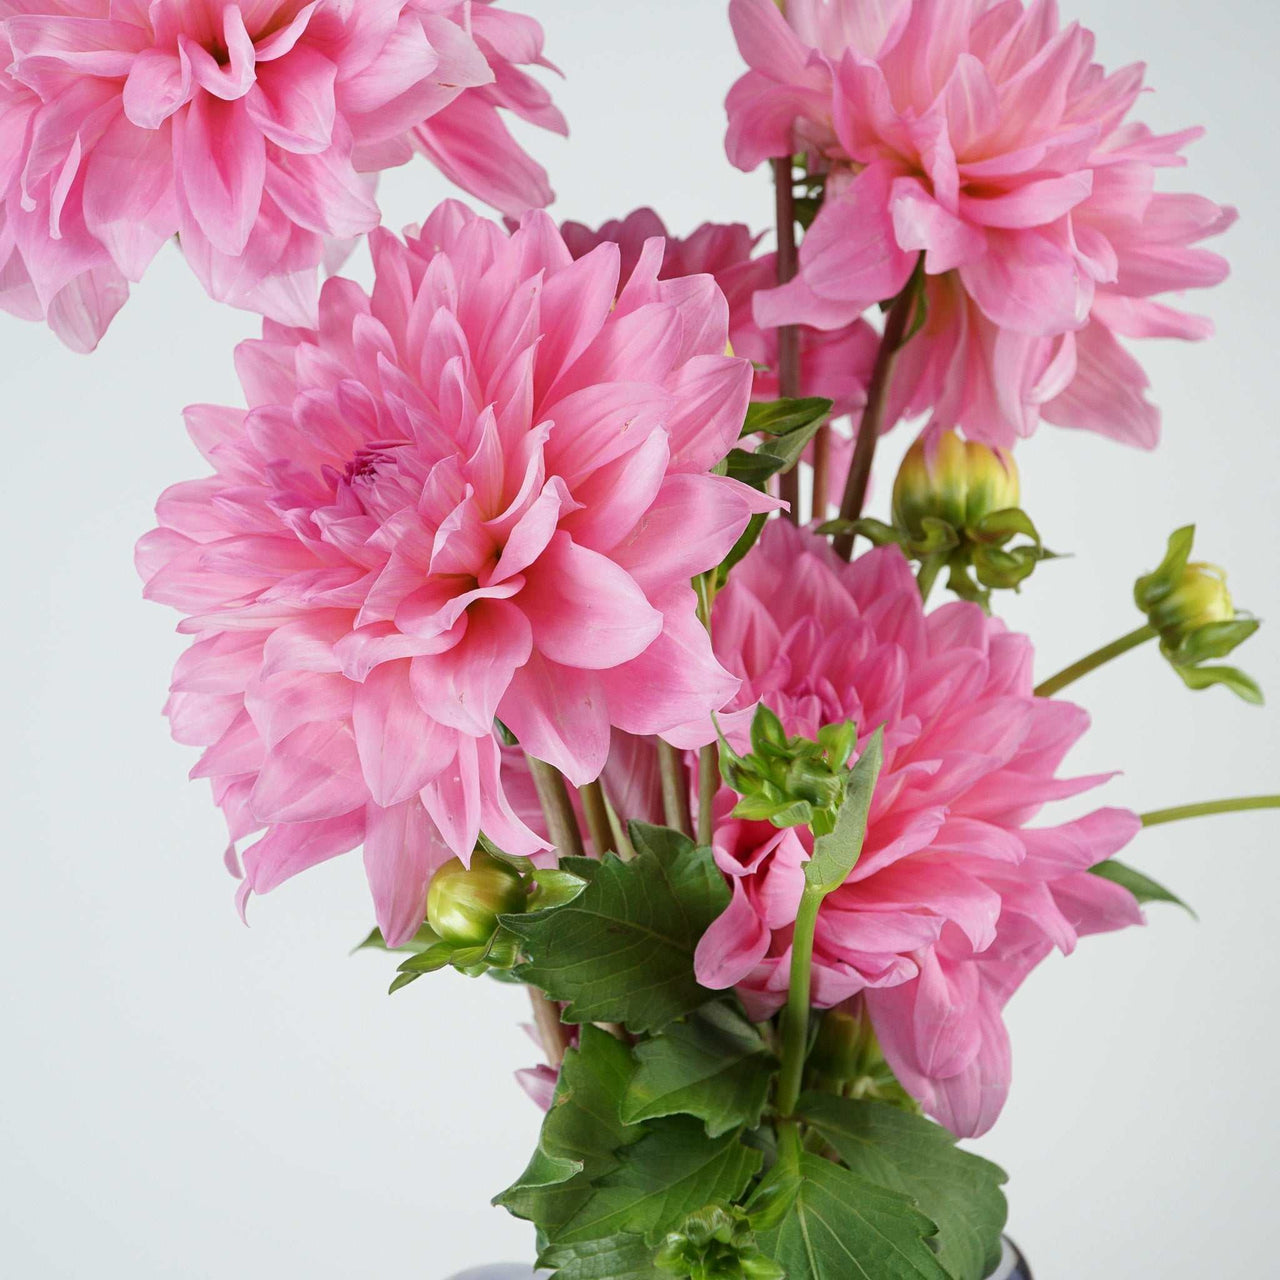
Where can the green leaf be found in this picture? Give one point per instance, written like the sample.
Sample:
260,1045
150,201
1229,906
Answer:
1141,886
620,1257
826,1223
424,938
580,1136
835,855
622,951
781,417
959,1191
714,1066
748,539
672,1171
753,468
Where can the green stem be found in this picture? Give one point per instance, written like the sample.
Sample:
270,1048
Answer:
557,808
708,785
551,1031
788,335
1157,817
1093,660
596,812
675,788
864,450
795,1019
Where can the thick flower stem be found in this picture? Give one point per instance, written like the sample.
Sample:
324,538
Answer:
1094,660
1157,817
553,1033
557,808
596,812
675,788
795,1018
896,329
708,785
788,335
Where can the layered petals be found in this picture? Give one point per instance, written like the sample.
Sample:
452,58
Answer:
250,130
955,897
450,514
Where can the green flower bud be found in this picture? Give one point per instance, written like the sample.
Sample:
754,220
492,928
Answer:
463,904
1198,597
952,480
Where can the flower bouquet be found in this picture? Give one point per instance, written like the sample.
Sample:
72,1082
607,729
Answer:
543,571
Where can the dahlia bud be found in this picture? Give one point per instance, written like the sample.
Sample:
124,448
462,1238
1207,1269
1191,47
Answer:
1189,607
790,781
715,1242
952,480
464,903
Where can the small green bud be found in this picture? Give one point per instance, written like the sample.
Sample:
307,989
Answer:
463,904
952,480
1188,605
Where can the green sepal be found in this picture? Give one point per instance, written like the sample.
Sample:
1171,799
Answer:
554,888
836,854
1142,886
1152,587
1243,686
424,938
1210,641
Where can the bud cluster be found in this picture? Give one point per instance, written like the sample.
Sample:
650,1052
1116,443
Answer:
955,507
790,781
715,1244
1189,607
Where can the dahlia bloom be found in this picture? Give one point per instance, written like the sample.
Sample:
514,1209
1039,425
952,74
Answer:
984,137
835,363
481,491
246,129
955,898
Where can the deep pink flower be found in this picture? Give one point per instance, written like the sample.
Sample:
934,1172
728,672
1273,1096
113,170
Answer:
480,492
984,136
955,898
247,129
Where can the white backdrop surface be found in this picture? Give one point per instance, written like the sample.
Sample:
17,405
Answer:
187,1098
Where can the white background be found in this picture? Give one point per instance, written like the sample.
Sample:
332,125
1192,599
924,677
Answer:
187,1098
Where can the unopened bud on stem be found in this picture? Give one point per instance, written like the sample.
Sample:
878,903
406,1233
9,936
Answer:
464,903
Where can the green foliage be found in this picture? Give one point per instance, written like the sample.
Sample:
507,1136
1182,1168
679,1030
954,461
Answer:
620,1257
822,1222
581,1135
1141,886
672,1171
622,950
714,1066
958,1191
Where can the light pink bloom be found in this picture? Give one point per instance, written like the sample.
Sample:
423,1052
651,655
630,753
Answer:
985,137
835,363
955,897
480,492
247,129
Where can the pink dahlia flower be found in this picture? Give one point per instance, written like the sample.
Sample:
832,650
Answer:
481,491
955,898
834,363
247,129
984,137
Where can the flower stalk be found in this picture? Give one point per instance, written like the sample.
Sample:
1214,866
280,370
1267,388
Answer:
897,330
1242,804
557,808
795,1018
788,335
1090,662
675,788
595,810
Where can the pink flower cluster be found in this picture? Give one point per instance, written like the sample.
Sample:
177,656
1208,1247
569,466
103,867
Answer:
246,129
480,492
984,137
955,898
